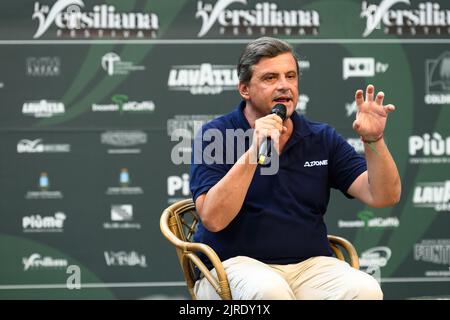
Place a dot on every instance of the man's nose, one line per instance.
(282, 83)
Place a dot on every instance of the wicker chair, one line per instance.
(178, 224)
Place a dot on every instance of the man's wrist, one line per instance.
(371, 139)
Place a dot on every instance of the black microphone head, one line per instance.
(280, 110)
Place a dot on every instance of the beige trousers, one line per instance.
(316, 278)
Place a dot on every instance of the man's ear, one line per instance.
(243, 90)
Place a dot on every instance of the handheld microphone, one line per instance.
(265, 148)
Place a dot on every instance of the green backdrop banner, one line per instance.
(92, 93)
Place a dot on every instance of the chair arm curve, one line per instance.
(353, 256)
(221, 285)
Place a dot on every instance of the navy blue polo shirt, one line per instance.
(281, 220)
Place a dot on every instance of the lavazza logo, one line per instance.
(43, 108)
(203, 79)
(38, 223)
(264, 19)
(426, 18)
(437, 80)
(37, 146)
(435, 195)
(429, 148)
(102, 21)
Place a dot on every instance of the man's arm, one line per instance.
(380, 185)
(220, 205)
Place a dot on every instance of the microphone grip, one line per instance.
(264, 151)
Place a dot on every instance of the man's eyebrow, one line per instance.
(268, 73)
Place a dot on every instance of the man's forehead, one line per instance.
(266, 64)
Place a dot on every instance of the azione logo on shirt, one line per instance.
(318, 163)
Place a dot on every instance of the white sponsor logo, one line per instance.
(102, 17)
(44, 192)
(203, 79)
(130, 106)
(113, 65)
(124, 189)
(185, 127)
(265, 16)
(362, 67)
(376, 222)
(43, 108)
(43, 66)
(426, 18)
(372, 260)
(434, 195)
(429, 148)
(37, 223)
(357, 144)
(123, 258)
(122, 212)
(367, 220)
(188, 125)
(122, 217)
(377, 256)
(435, 251)
(351, 108)
(122, 105)
(36, 146)
(36, 261)
(123, 139)
(303, 65)
(437, 79)
(178, 186)
(316, 163)
(302, 104)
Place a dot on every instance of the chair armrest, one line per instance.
(221, 284)
(353, 256)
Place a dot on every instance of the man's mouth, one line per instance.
(282, 99)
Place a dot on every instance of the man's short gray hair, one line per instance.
(265, 47)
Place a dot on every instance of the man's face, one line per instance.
(274, 80)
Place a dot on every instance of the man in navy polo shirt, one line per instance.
(268, 229)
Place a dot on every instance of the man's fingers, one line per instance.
(369, 92)
(275, 135)
(359, 99)
(379, 98)
(389, 108)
